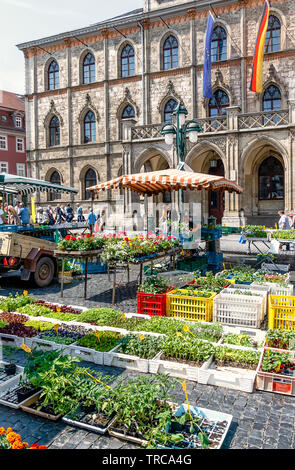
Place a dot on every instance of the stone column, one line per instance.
(127, 162)
(192, 13)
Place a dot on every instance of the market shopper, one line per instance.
(60, 215)
(91, 220)
(69, 213)
(24, 214)
(80, 216)
(49, 212)
(3, 219)
(13, 218)
(284, 224)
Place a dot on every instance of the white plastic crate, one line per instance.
(255, 333)
(115, 359)
(174, 369)
(11, 380)
(87, 354)
(240, 310)
(11, 340)
(276, 289)
(42, 344)
(229, 377)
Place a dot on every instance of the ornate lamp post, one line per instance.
(181, 130)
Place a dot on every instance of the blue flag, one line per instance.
(207, 88)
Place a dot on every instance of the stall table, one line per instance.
(140, 263)
(77, 255)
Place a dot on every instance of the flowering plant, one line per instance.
(81, 243)
(12, 440)
(128, 249)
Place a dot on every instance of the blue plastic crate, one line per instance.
(93, 268)
(214, 258)
(9, 228)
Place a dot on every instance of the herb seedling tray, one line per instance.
(274, 288)
(26, 406)
(85, 421)
(116, 359)
(174, 369)
(215, 423)
(125, 437)
(7, 380)
(8, 396)
(234, 378)
(273, 382)
(87, 354)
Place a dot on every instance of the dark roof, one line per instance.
(124, 15)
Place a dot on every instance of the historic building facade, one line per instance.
(96, 99)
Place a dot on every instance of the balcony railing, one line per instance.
(265, 119)
(213, 125)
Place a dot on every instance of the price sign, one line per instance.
(97, 334)
(56, 327)
(187, 330)
(142, 337)
(124, 316)
(58, 309)
(26, 348)
(25, 293)
(107, 386)
(185, 391)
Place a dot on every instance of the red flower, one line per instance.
(88, 235)
(68, 237)
(73, 239)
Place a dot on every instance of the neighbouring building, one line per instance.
(12, 134)
(96, 99)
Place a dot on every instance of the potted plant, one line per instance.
(10, 368)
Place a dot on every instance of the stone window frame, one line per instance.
(48, 176)
(46, 76)
(228, 32)
(121, 46)
(127, 100)
(52, 112)
(165, 36)
(81, 68)
(88, 107)
(281, 17)
(82, 180)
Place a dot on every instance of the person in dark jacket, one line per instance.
(69, 213)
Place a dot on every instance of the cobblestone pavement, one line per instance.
(260, 420)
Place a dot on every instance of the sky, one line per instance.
(26, 20)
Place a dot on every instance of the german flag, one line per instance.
(257, 71)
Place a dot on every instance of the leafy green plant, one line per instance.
(275, 361)
(154, 285)
(240, 340)
(187, 348)
(35, 310)
(224, 355)
(3, 324)
(145, 348)
(12, 303)
(40, 325)
(107, 341)
(281, 339)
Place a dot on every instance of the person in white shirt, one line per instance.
(2, 216)
(284, 222)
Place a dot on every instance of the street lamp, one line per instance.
(181, 130)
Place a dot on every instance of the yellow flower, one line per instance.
(25, 292)
(58, 309)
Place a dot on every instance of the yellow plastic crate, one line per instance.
(189, 308)
(281, 312)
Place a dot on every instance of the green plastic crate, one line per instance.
(192, 264)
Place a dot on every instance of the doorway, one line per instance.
(216, 199)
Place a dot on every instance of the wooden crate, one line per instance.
(19, 245)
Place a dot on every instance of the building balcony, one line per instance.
(234, 121)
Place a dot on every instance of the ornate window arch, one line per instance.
(271, 100)
(88, 177)
(127, 60)
(273, 35)
(219, 44)
(54, 132)
(88, 68)
(170, 53)
(89, 127)
(53, 75)
(168, 109)
(271, 179)
(55, 178)
(128, 112)
(218, 104)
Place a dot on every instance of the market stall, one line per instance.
(156, 182)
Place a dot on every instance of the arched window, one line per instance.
(89, 127)
(218, 44)
(89, 68)
(170, 53)
(89, 180)
(168, 110)
(271, 99)
(128, 112)
(218, 104)
(271, 179)
(55, 179)
(53, 76)
(273, 35)
(127, 61)
(54, 132)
